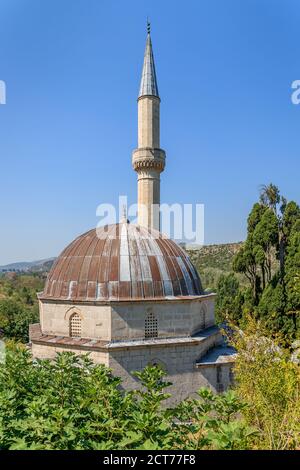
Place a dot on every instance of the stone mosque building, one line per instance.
(128, 295)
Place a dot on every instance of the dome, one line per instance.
(122, 262)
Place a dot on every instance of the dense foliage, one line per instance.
(71, 403)
(18, 304)
(270, 261)
(268, 382)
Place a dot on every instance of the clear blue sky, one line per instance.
(72, 69)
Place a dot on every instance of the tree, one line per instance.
(271, 233)
(229, 302)
(270, 196)
(254, 217)
(290, 215)
(15, 319)
(272, 310)
(255, 258)
(245, 262)
(265, 238)
(292, 275)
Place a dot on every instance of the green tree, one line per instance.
(271, 234)
(16, 318)
(265, 238)
(290, 214)
(229, 302)
(272, 310)
(270, 196)
(292, 275)
(245, 262)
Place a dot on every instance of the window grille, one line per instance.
(151, 326)
(75, 326)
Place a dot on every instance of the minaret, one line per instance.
(148, 159)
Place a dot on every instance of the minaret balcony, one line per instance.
(148, 157)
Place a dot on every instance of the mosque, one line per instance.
(128, 295)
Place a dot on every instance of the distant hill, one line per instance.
(28, 266)
(213, 260)
(44, 266)
(214, 256)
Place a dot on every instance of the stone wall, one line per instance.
(96, 322)
(43, 351)
(118, 321)
(174, 319)
(179, 357)
(179, 361)
(220, 375)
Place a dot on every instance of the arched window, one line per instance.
(151, 326)
(75, 326)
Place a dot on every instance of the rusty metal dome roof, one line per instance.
(122, 262)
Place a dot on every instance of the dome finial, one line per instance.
(124, 219)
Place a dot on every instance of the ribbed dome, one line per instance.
(122, 262)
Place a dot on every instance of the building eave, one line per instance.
(124, 301)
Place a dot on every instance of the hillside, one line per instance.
(213, 260)
(28, 266)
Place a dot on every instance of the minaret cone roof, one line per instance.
(148, 82)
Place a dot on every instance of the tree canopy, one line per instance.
(270, 261)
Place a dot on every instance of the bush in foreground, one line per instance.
(71, 403)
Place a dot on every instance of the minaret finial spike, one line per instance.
(148, 26)
(124, 214)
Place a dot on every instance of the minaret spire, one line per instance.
(148, 159)
(148, 85)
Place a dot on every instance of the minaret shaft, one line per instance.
(148, 122)
(148, 159)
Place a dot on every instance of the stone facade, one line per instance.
(174, 318)
(115, 335)
(179, 359)
(96, 319)
(119, 321)
(41, 350)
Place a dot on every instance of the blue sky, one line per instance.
(72, 70)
